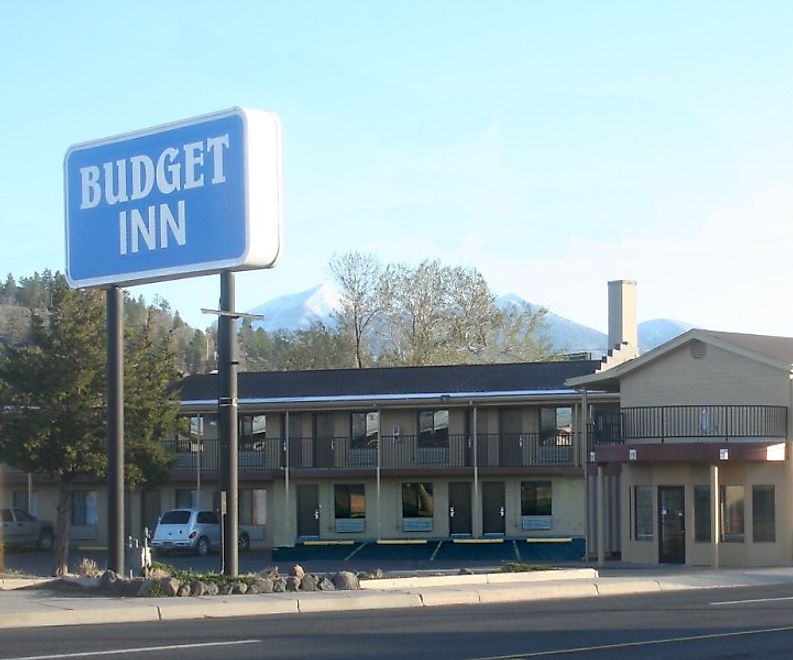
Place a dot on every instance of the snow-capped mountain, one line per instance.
(297, 311)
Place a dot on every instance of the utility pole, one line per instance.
(228, 425)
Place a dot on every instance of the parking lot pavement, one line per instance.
(325, 557)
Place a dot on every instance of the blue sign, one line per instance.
(190, 198)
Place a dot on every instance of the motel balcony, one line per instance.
(402, 453)
(689, 423)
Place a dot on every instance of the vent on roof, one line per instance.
(697, 349)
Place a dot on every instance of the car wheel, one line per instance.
(46, 540)
(202, 546)
(244, 543)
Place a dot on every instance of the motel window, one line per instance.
(252, 506)
(253, 431)
(84, 507)
(556, 425)
(643, 513)
(433, 428)
(417, 500)
(732, 522)
(19, 500)
(702, 514)
(535, 498)
(364, 430)
(350, 500)
(185, 498)
(763, 514)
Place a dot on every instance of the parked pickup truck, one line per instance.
(19, 528)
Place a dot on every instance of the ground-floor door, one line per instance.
(671, 525)
(308, 510)
(460, 508)
(493, 507)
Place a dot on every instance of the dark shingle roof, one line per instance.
(345, 383)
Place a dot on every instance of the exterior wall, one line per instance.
(746, 553)
(384, 518)
(718, 378)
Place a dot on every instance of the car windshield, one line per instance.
(175, 518)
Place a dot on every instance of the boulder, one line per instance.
(308, 583)
(169, 586)
(292, 583)
(183, 591)
(279, 585)
(211, 589)
(239, 588)
(297, 571)
(345, 581)
(262, 585)
(197, 588)
(325, 584)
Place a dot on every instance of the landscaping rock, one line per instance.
(197, 588)
(292, 583)
(183, 590)
(239, 588)
(108, 579)
(169, 586)
(308, 583)
(324, 584)
(297, 571)
(279, 585)
(211, 589)
(261, 585)
(345, 581)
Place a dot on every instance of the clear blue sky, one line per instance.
(552, 145)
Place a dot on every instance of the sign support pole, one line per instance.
(115, 429)
(227, 414)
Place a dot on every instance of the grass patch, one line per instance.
(521, 567)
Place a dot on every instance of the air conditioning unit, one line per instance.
(396, 430)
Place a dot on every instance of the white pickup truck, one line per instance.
(19, 528)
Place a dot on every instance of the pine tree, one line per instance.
(53, 391)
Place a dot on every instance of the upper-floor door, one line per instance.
(510, 436)
(324, 440)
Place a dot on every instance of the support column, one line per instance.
(477, 515)
(115, 429)
(227, 413)
(287, 517)
(379, 486)
(715, 527)
(601, 517)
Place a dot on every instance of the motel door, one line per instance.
(460, 508)
(671, 525)
(324, 441)
(511, 427)
(493, 507)
(308, 510)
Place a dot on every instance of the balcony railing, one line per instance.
(491, 450)
(706, 423)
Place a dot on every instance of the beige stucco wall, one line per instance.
(746, 553)
(385, 521)
(718, 378)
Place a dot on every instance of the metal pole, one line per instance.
(227, 413)
(115, 429)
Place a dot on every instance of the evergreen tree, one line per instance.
(53, 390)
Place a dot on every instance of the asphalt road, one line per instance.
(713, 623)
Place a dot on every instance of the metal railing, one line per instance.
(703, 422)
(493, 450)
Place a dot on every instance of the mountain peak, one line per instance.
(298, 311)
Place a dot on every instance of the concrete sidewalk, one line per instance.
(42, 606)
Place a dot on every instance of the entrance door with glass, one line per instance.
(671, 525)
